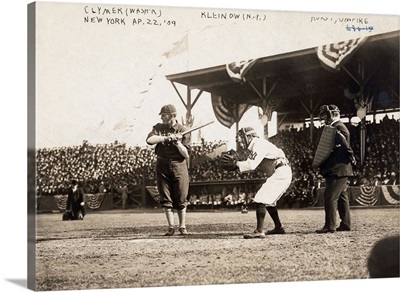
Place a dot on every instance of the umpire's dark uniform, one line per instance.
(336, 170)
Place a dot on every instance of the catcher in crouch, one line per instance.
(272, 160)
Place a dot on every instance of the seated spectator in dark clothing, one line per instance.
(75, 203)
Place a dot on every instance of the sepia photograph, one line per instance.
(173, 146)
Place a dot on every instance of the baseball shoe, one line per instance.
(343, 227)
(255, 234)
(279, 230)
(183, 231)
(324, 230)
(170, 231)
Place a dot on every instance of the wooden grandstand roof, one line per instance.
(301, 84)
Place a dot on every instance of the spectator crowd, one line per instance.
(116, 165)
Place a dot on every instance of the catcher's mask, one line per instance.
(326, 113)
(244, 136)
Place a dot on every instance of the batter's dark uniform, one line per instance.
(172, 168)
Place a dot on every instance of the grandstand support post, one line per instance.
(311, 111)
(189, 120)
(237, 130)
(144, 200)
(311, 127)
(188, 104)
(362, 139)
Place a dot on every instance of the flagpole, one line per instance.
(237, 130)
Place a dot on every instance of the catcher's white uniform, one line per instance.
(272, 160)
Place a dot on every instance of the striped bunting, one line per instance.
(238, 70)
(366, 195)
(391, 194)
(61, 201)
(227, 113)
(333, 56)
(94, 201)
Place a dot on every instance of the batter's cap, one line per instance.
(168, 109)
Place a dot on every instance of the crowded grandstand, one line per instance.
(105, 168)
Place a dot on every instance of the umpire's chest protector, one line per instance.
(325, 146)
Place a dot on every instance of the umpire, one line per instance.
(172, 151)
(336, 169)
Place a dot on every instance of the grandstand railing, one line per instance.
(146, 196)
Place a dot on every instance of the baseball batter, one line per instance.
(172, 150)
(272, 160)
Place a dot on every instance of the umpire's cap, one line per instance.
(168, 109)
(328, 109)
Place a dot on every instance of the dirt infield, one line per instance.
(121, 249)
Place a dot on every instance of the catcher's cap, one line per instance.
(168, 109)
(74, 182)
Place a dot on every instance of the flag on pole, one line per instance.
(158, 72)
(333, 56)
(178, 47)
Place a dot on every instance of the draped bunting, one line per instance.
(238, 70)
(366, 195)
(61, 201)
(92, 201)
(333, 56)
(391, 194)
(227, 113)
(376, 195)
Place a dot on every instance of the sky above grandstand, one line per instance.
(100, 68)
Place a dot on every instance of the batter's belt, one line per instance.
(164, 159)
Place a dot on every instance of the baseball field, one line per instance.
(128, 249)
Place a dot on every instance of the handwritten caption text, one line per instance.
(352, 23)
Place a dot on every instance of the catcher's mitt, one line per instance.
(229, 159)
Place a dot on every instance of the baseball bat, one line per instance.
(196, 128)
